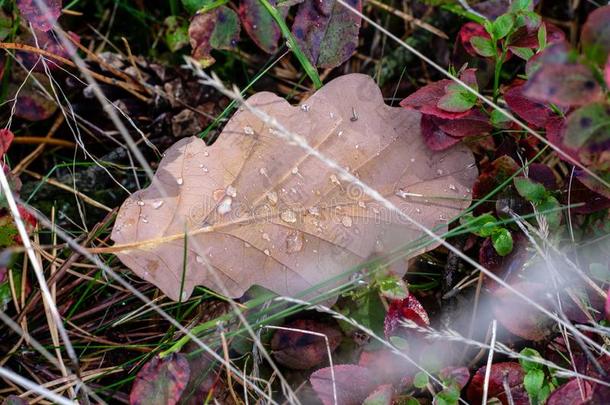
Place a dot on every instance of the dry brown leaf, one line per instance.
(261, 211)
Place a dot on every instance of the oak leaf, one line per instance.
(261, 211)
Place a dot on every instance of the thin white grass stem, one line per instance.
(490, 359)
(32, 386)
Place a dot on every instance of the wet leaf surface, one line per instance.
(288, 222)
(400, 310)
(326, 31)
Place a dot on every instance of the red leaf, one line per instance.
(593, 184)
(161, 381)
(528, 38)
(566, 85)
(353, 384)
(595, 35)
(301, 351)
(434, 137)
(467, 32)
(6, 138)
(510, 371)
(399, 310)
(518, 316)
(475, 123)
(532, 112)
(542, 174)
(555, 133)
(49, 42)
(570, 393)
(42, 18)
(581, 194)
(491, 177)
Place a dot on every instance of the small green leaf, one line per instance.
(502, 26)
(7, 233)
(542, 37)
(521, 5)
(532, 382)
(192, 6)
(530, 190)
(448, 396)
(482, 225)
(393, 287)
(399, 342)
(483, 46)
(502, 241)
(176, 33)
(523, 53)
(499, 120)
(457, 99)
(529, 365)
(420, 380)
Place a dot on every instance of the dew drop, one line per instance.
(272, 197)
(180, 181)
(263, 172)
(442, 217)
(248, 131)
(418, 210)
(199, 259)
(305, 108)
(145, 220)
(346, 221)
(140, 203)
(266, 237)
(361, 204)
(294, 242)
(412, 160)
(225, 206)
(206, 153)
(334, 179)
(439, 172)
(288, 216)
(267, 252)
(452, 187)
(295, 170)
(339, 133)
(205, 169)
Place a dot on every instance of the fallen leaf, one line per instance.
(259, 24)
(326, 31)
(512, 372)
(570, 393)
(353, 384)
(595, 35)
(160, 381)
(215, 29)
(518, 316)
(401, 310)
(566, 85)
(300, 350)
(263, 212)
(6, 138)
(42, 14)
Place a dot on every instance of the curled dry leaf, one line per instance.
(301, 350)
(261, 211)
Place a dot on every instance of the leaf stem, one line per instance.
(292, 44)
